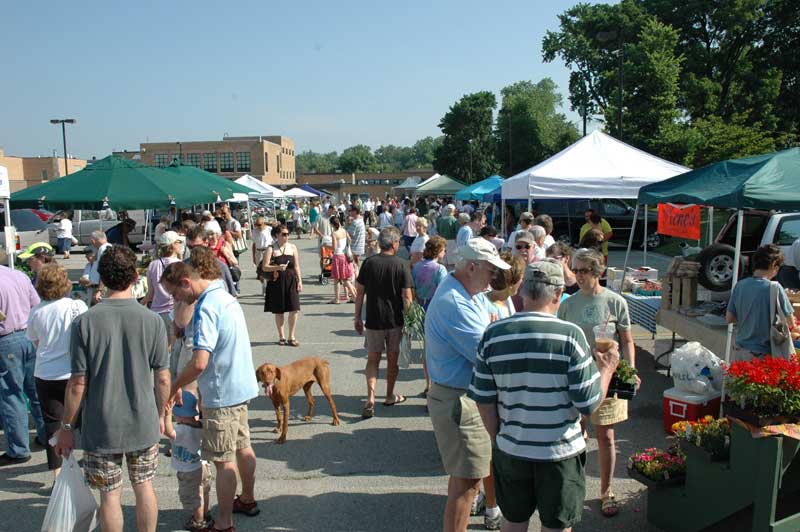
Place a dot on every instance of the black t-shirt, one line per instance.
(384, 277)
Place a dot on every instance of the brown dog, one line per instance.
(282, 383)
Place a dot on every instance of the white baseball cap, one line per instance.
(481, 249)
(169, 238)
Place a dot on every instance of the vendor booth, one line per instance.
(477, 191)
(259, 189)
(440, 185)
(596, 166)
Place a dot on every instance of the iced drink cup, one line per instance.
(604, 337)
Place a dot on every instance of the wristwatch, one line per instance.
(66, 426)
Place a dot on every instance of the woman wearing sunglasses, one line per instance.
(281, 264)
(594, 305)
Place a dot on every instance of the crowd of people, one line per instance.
(513, 375)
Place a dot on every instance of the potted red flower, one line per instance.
(764, 391)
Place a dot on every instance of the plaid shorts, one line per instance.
(104, 471)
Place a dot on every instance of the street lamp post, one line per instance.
(63, 122)
(608, 36)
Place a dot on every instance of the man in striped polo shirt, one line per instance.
(534, 376)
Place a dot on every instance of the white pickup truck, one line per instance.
(84, 222)
(759, 228)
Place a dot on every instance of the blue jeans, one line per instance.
(17, 362)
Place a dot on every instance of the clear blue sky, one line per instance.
(326, 74)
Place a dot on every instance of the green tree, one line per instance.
(467, 151)
(422, 152)
(393, 158)
(529, 127)
(357, 158)
(309, 162)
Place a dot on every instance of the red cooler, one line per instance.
(680, 405)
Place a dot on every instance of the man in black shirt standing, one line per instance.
(386, 280)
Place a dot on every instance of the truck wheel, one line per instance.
(716, 267)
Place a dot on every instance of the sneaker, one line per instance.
(478, 504)
(492, 523)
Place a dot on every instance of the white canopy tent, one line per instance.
(597, 166)
(298, 192)
(261, 190)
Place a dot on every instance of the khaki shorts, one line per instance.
(193, 486)
(463, 442)
(383, 340)
(225, 431)
(104, 471)
(610, 411)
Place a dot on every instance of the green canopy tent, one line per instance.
(224, 188)
(116, 183)
(769, 181)
(441, 185)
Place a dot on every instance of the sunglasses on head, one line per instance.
(523, 246)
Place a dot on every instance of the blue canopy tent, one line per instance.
(309, 188)
(478, 191)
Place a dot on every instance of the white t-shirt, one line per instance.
(233, 225)
(297, 214)
(64, 228)
(549, 241)
(186, 448)
(262, 240)
(94, 275)
(50, 323)
(418, 245)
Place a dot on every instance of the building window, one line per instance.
(162, 160)
(210, 162)
(242, 161)
(278, 161)
(44, 175)
(266, 162)
(193, 159)
(226, 161)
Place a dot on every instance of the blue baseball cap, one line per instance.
(189, 406)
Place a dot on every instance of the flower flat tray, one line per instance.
(655, 484)
(731, 409)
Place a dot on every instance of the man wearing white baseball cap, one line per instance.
(455, 321)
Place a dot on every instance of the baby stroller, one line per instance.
(326, 263)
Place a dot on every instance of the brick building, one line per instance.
(26, 172)
(268, 158)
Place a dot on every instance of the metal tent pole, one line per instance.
(644, 259)
(630, 245)
(737, 256)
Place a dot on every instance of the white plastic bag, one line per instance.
(72, 506)
(695, 369)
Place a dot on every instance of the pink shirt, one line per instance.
(410, 225)
(17, 298)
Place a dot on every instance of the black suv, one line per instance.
(568, 219)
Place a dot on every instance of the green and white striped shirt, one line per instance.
(539, 371)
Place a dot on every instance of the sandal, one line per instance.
(397, 400)
(197, 526)
(282, 341)
(608, 506)
(293, 342)
(368, 412)
(250, 509)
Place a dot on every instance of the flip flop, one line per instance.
(397, 400)
(368, 412)
(282, 341)
(294, 343)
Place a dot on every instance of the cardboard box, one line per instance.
(645, 273)
(613, 274)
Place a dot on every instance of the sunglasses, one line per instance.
(583, 271)
(523, 246)
(284, 234)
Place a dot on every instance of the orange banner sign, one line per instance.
(682, 221)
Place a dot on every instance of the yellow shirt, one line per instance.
(604, 226)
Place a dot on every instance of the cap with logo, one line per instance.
(37, 248)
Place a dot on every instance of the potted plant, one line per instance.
(764, 391)
(707, 437)
(658, 468)
(623, 383)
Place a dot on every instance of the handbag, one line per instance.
(780, 340)
(239, 245)
(236, 273)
